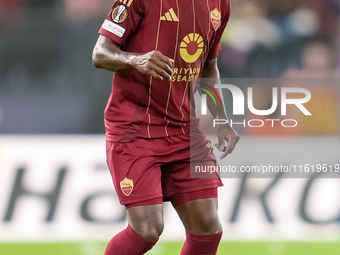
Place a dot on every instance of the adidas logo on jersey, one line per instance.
(170, 16)
(127, 2)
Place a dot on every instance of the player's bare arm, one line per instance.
(224, 132)
(108, 55)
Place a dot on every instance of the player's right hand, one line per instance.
(154, 64)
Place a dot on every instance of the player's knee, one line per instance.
(212, 226)
(152, 232)
(147, 221)
(206, 226)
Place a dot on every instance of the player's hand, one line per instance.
(226, 133)
(155, 64)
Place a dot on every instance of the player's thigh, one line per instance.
(200, 216)
(146, 220)
(135, 174)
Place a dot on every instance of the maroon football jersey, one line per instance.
(187, 31)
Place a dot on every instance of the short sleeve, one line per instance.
(122, 20)
(216, 47)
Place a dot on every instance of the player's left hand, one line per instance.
(226, 133)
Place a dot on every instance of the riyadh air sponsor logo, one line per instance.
(191, 47)
(169, 16)
(185, 74)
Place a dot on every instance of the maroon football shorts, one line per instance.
(150, 171)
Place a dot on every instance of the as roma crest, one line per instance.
(215, 17)
(126, 186)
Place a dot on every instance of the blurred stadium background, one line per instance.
(56, 195)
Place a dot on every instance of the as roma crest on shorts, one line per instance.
(120, 13)
(215, 17)
(126, 186)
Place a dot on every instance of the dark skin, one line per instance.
(224, 132)
(107, 55)
(199, 216)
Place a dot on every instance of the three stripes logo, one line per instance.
(170, 16)
(127, 2)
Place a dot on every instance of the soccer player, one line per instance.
(156, 48)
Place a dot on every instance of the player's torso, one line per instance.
(184, 31)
